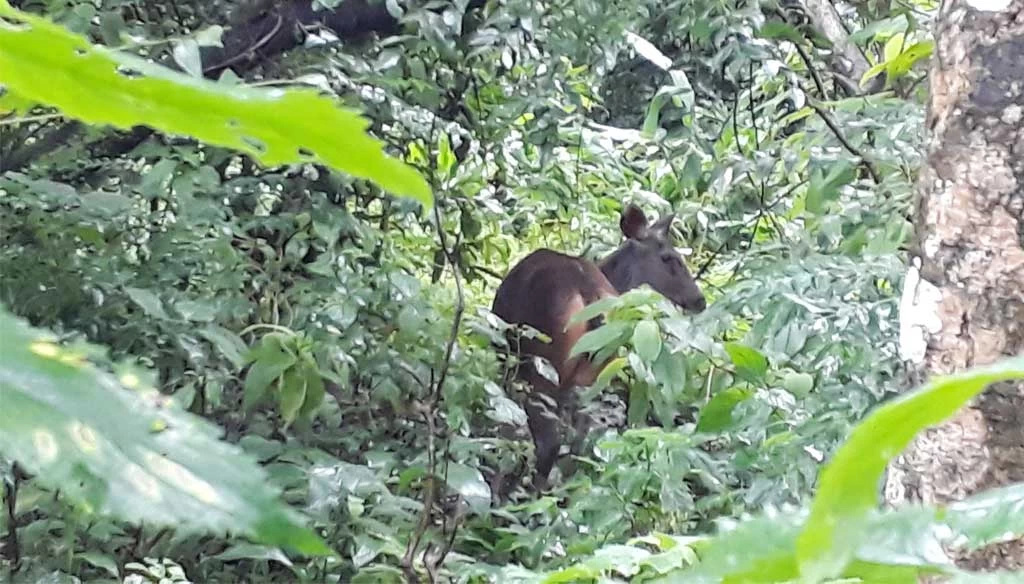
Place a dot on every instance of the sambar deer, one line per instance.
(547, 288)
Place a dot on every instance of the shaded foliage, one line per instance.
(533, 124)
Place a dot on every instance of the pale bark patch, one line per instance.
(989, 5)
(919, 314)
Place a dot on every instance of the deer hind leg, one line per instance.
(542, 417)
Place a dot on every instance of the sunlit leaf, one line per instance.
(848, 486)
(130, 453)
(97, 85)
(610, 371)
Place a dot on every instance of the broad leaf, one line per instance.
(468, 482)
(130, 453)
(647, 340)
(100, 86)
(848, 487)
(988, 517)
(594, 309)
(272, 361)
(610, 334)
(750, 363)
(717, 414)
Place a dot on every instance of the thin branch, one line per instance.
(714, 254)
(460, 306)
(428, 409)
(486, 271)
(865, 162)
(807, 60)
(429, 501)
(753, 115)
(813, 71)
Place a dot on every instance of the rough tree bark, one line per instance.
(963, 302)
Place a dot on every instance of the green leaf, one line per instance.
(130, 453)
(750, 363)
(292, 395)
(186, 54)
(271, 364)
(880, 29)
(848, 485)
(446, 159)
(12, 103)
(716, 416)
(651, 120)
(893, 47)
(101, 86)
(248, 551)
(647, 340)
(315, 391)
(902, 64)
(468, 482)
(987, 517)
(871, 73)
(605, 335)
(148, 301)
(798, 384)
(227, 342)
(609, 372)
(639, 404)
(594, 309)
(104, 562)
(776, 29)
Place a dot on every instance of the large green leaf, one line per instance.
(848, 487)
(647, 340)
(130, 453)
(750, 363)
(43, 62)
(717, 414)
(610, 334)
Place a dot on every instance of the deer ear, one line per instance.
(633, 222)
(663, 226)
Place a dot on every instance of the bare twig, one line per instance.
(718, 250)
(459, 305)
(865, 162)
(12, 549)
(430, 499)
(427, 410)
(486, 271)
(753, 116)
(806, 58)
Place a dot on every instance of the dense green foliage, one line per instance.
(340, 336)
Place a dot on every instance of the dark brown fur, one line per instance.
(547, 288)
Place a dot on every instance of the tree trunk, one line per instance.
(963, 301)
